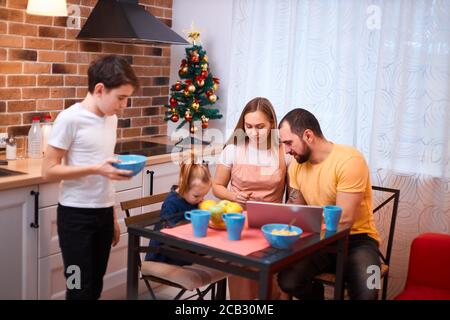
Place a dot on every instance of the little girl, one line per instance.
(194, 184)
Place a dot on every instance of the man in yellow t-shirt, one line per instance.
(326, 173)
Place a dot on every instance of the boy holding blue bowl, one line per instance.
(84, 135)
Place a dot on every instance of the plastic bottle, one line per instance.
(46, 130)
(35, 139)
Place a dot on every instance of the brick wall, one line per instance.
(43, 69)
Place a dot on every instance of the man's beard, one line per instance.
(302, 158)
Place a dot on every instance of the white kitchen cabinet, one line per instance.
(165, 175)
(18, 244)
(124, 196)
(52, 283)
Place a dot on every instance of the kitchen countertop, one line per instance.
(32, 167)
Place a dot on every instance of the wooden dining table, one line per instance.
(260, 265)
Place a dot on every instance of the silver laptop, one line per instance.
(308, 218)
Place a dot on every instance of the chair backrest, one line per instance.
(429, 261)
(395, 197)
(152, 217)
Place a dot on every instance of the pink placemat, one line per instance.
(252, 240)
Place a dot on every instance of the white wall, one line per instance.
(213, 19)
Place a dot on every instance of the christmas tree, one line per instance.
(193, 95)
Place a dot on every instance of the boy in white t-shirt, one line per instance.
(84, 135)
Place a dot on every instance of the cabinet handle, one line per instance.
(152, 173)
(35, 224)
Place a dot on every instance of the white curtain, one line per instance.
(377, 76)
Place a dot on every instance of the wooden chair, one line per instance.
(186, 278)
(330, 278)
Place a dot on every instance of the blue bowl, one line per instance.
(131, 162)
(280, 241)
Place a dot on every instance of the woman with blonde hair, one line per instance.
(252, 166)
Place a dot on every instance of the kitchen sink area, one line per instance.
(8, 173)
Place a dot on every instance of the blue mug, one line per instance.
(332, 215)
(200, 220)
(235, 224)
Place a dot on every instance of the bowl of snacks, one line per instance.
(133, 162)
(281, 235)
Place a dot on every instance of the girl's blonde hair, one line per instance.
(256, 104)
(191, 171)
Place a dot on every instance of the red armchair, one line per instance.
(429, 269)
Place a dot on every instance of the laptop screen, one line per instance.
(309, 218)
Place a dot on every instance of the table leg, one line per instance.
(132, 271)
(265, 285)
(339, 286)
(221, 293)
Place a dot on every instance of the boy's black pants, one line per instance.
(85, 237)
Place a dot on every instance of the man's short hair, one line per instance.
(111, 70)
(299, 120)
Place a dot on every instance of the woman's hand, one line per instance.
(242, 197)
(107, 170)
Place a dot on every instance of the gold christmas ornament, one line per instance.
(215, 86)
(191, 88)
(212, 98)
(195, 105)
(205, 58)
(204, 66)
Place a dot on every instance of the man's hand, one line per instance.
(107, 170)
(116, 236)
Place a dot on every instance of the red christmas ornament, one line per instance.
(200, 81)
(175, 117)
(209, 92)
(204, 74)
(195, 56)
(177, 86)
(173, 102)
